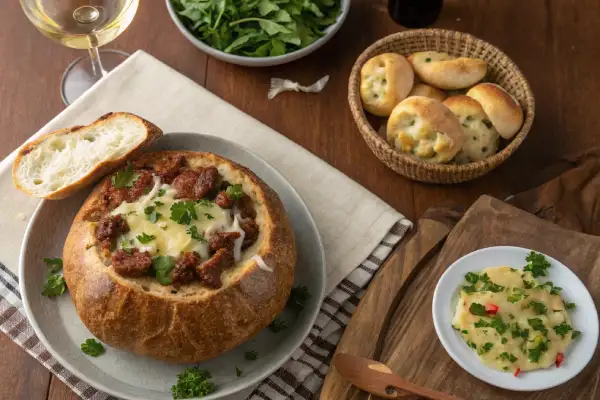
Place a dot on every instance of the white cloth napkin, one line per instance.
(354, 225)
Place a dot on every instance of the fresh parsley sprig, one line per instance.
(55, 284)
(192, 382)
(125, 178)
(92, 347)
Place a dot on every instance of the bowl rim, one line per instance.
(367, 129)
(234, 58)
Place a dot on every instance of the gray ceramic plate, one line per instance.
(127, 375)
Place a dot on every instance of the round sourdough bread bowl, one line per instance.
(190, 322)
(501, 70)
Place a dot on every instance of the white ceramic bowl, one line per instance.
(261, 61)
(584, 318)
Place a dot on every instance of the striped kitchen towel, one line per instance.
(301, 377)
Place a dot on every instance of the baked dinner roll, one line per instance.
(501, 107)
(481, 138)
(425, 128)
(180, 256)
(385, 80)
(421, 89)
(444, 71)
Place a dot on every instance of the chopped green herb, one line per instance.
(469, 289)
(471, 344)
(569, 306)
(484, 278)
(145, 238)
(464, 332)
(238, 372)
(536, 264)
(54, 286)
(428, 59)
(278, 325)
(499, 325)
(161, 192)
(193, 232)
(55, 264)
(575, 334)
(504, 368)
(562, 329)
(541, 346)
(504, 340)
(93, 348)
(125, 178)
(251, 355)
(147, 190)
(504, 356)
(511, 316)
(192, 382)
(208, 216)
(538, 308)
(482, 324)
(235, 192)
(152, 214)
(485, 348)
(491, 287)
(516, 296)
(205, 203)
(472, 277)
(517, 332)
(299, 295)
(162, 266)
(158, 203)
(538, 325)
(183, 212)
(528, 284)
(477, 309)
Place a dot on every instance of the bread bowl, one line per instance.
(183, 316)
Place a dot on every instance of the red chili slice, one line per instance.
(491, 308)
(518, 371)
(560, 357)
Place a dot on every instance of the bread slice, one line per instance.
(60, 163)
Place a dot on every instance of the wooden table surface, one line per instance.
(555, 43)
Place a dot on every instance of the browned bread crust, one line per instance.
(129, 314)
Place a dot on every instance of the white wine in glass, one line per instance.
(83, 24)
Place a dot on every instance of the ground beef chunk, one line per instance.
(209, 272)
(109, 227)
(246, 207)
(251, 229)
(131, 263)
(169, 167)
(113, 197)
(224, 201)
(194, 185)
(223, 240)
(185, 268)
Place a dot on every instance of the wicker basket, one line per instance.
(501, 70)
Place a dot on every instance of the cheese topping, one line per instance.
(153, 230)
(512, 321)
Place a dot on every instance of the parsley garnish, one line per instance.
(535, 353)
(491, 287)
(158, 203)
(499, 325)
(538, 325)
(536, 264)
(235, 192)
(504, 340)
(91, 347)
(183, 212)
(504, 356)
(152, 214)
(511, 316)
(471, 344)
(192, 382)
(528, 284)
(161, 192)
(482, 324)
(251, 355)
(562, 329)
(469, 289)
(298, 297)
(517, 332)
(238, 372)
(277, 325)
(125, 178)
(54, 286)
(145, 238)
(472, 277)
(575, 334)
(484, 278)
(538, 308)
(569, 306)
(464, 332)
(477, 309)
(162, 266)
(485, 348)
(55, 264)
(205, 203)
(193, 232)
(516, 296)
(208, 216)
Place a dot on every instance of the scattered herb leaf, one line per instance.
(162, 266)
(93, 348)
(235, 192)
(145, 238)
(183, 212)
(562, 329)
(192, 382)
(251, 355)
(536, 264)
(55, 264)
(278, 325)
(478, 309)
(54, 286)
(193, 232)
(125, 178)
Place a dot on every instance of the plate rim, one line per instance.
(269, 370)
(436, 307)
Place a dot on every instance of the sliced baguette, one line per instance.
(60, 163)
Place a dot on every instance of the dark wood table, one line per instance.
(555, 43)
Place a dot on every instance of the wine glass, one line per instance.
(83, 24)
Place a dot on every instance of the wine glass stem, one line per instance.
(97, 68)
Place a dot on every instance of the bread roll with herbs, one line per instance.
(444, 71)
(501, 107)
(421, 89)
(426, 129)
(385, 80)
(481, 138)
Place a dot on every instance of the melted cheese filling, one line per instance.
(172, 238)
(500, 340)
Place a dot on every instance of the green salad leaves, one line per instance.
(257, 28)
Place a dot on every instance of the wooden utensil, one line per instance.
(377, 378)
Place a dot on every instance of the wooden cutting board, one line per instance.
(396, 327)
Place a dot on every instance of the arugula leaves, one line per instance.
(93, 348)
(162, 266)
(125, 178)
(192, 382)
(257, 28)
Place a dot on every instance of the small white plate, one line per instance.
(584, 318)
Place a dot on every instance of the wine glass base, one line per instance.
(79, 76)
